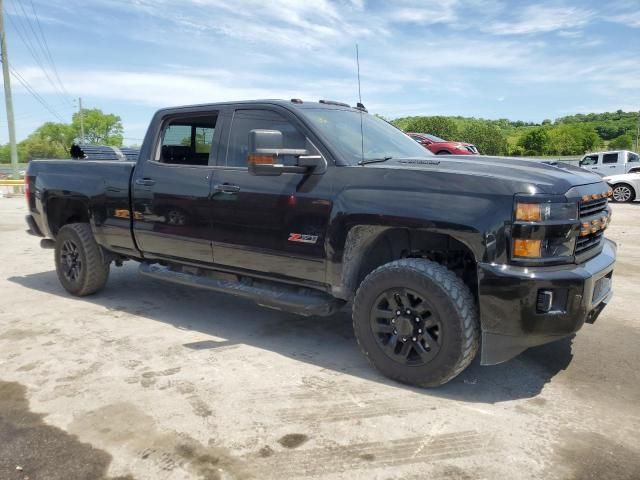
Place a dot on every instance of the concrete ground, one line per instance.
(147, 380)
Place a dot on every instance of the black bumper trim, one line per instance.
(507, 294)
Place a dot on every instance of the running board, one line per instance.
(279, 296)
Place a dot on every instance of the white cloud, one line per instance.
(541, 19)
(630, 18)
(570, 33)
(425, 12)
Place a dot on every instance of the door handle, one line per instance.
(226, 188)
(146, 182)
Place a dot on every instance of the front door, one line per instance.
(172, 218)
(590, 162)
(270, 224)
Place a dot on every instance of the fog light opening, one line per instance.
(544, 301)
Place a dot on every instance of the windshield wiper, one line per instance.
(373, 160)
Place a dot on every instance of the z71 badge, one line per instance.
(299, 237)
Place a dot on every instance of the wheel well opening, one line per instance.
(62, 211)
(395, 244)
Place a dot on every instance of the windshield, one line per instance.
(433, 138)
(381, 140)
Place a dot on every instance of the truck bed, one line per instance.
(103, 185)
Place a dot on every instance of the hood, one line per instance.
(552, 179)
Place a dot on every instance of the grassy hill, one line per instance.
(570, 135)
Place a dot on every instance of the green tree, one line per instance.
(535, 141)
(623, 142)
(589, 139)
(99, 128)
(439, 126)
(488, 138)
(53, 140)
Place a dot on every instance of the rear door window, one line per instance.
(188, 140)
(610, 158)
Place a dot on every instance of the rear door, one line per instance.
(270, 224)
(612, 163)
(172, 218)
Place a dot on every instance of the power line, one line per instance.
(27, 20)
(26, 40)
(48, 52)
(35, 94)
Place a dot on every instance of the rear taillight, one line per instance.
(27, 188)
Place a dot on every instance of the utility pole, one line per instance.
(81, 117)
(7, 94)
(637, 133)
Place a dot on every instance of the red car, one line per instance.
(443, 147)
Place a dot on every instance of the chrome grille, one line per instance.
(590, 209)
(589, 242)
(593, 207)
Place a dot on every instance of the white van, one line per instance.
(611, 163)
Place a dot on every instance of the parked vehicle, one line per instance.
(443, 147)
(611, 163)
(625, 187)
(305, 206)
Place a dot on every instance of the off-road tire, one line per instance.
(447, 294)
(94, 269)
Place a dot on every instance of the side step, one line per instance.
(279, 296)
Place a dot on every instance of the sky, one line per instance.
(493, 59)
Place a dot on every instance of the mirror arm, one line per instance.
(309, 161)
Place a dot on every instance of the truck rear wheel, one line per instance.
(416, 321)
(80, 264)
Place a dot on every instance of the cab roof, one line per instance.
(293, 103)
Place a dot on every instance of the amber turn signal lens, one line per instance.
(585, 229)
(260, 160)
(526, 248)
(528, 212)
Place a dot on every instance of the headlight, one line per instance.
(542, 212)
(543, 231)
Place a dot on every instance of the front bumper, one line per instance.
(510, 317)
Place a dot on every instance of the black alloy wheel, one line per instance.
(406, 327)
(70, 261)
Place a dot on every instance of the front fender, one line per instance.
(360, 216)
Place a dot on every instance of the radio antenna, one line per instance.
(358, 65)
(360, 106)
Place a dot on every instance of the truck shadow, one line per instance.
(327, 342)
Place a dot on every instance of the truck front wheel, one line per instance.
(416, 321)
(80, 264)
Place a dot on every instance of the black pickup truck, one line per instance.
(310, 206)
